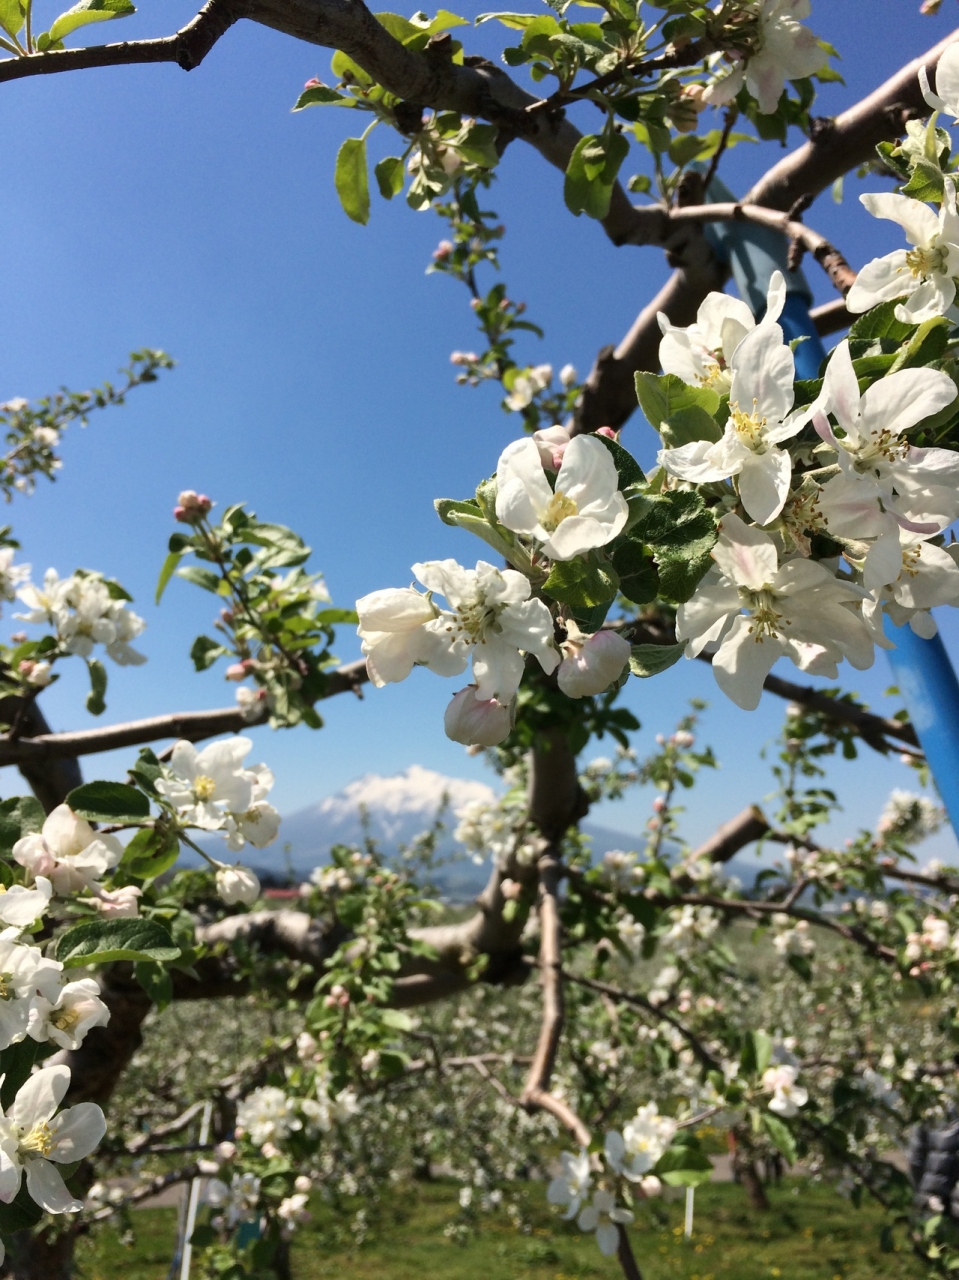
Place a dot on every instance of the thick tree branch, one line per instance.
(734, 835)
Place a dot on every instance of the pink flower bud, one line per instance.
(474, 722)
(659, 804)
(608, 432)
(591, 667)
(313, 83)
(240, 670)
(551, 443)
(442, 251)
(18, 637)
(192, 507)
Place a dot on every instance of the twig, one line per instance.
(732, 114)
(550, 961)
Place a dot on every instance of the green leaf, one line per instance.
(98, 687)
(627, 468)
(649, 659)
(352, 180)
(582, 583)
(467, 515)
(166, 573)
(109, 802)
(20, 816)
(151, 852)
(331, 617)
(662, 396)
(781, 1135)
(390, 173)
(320, 95)
(155, 981)
(681, 532)
(638, 579)
(928, 343)
(683, 1163)
(11, 16)
(16, 1063)
(89, 11)
(205, 652)
(591, 173)
(926, 181)
(103, 941)
(687, 147)
(688, 425)
(880, 322)
(397, 1019)
(200, 577)
(757, 1053)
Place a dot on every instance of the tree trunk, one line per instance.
(44, 1255)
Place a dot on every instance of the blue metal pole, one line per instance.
(924, 674)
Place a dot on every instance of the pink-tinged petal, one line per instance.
(743, 663)
(588, 473)
(746, 556)
(919, 222)
(850, 506)
(900, 400)
(705, 618)
(841, 388)
(497, 670)
(764, 484)
(822, 428)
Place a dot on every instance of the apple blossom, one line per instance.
(237, 884)
(116, 904)
(919, 574)
(38, 674)
(635, 1151)
(701, 353)
(785, 50)
(21, 906)
(68, 852)
(757, 610)
(209, 787)
(239, 1199)
(259, 823)
(567, 375)
(84, 614)
(393, 626)
(571, 1187)
(591, 663)
(551, 443)
(946, 96)
(493, 617)
(924, 276)
(11, 575)
(67, 1020)
(33, 1134)
(267, 1114)
(24, 972)
(583, 511)
(787, 1097)
(760, 399)
(528, 384)
(477, 722)
(879, 471)
(604, 1217)
(191, 507)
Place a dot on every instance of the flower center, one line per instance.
(558, 508)
(65, 1019)
(926, 262)
(910, 559)
(749, 427)
(6, 986)
(882, 445)
(204, 788)
(475, 620)
(766, 620)
(714, 372)
(39, 1141)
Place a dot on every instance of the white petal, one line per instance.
(763, 374)
(902, 399)
(529, 626)
(39, 1098)
(743, 663)
(689, 462)
(77, 1132)
(497, 670)
(393, 609)
(918, 221)
(578, 534)
(764, 484)
(746, 556)
(880, 281)
(883, 563)
(607, 1237)
(522, 490)
(47, 1188)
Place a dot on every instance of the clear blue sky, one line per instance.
(145, 206)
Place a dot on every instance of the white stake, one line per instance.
(195, 1197)
(690, 1195)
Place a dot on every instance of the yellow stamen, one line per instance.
(560, 506)
(39, 1140)
(926, 262)
(204, 788)
(749, 427)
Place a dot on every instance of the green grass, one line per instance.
(810, 1234)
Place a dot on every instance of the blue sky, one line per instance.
(145, 206)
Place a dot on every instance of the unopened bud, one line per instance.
(477, 722)
(592, 666)
(442, 251)
(313, 83)
(608, 432)
(192, 507)
(240, 670)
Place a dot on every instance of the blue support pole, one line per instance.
(922, 669)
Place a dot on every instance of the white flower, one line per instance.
(591, 663)
(84, 614)
(760, 399)
(21, 907)
(528, 384)
(635, 1151)
(493, 617)
(476, 722)
(32, 1134)
(572, 1185)
(11, 575)
(259, 824)
(879, 472)
(785, 51)
(392, 626)
(209, 785)
(603, 1216)
(946, 97)
(688, 926)
(292, 1210)
(701, 353)
(919, 575)
(267, 1115)
(68, 852)
(923, 275)
(910, 818)
(567, 375)
(24, 971)
(758, 610)
(250, 702)
(787, 1097)
(585, 510)
(237, 884)
(116, 904)
(239, 1199)
(792, 939)
(67, 1020)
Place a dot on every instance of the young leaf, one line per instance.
(109, 802)
(11, 16)
(151, 852)
(627, 468)
(781, 1135)
(98, 687)
(581, 583)
(389, 176)
(155, 981)
(352, 180)
(322, 95)
(20, 816)
(89, 11)
(166, 573)
(661, 396)
(650, 659)
(205, 652)
(103, 941)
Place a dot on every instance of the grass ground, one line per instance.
(810, 1234)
